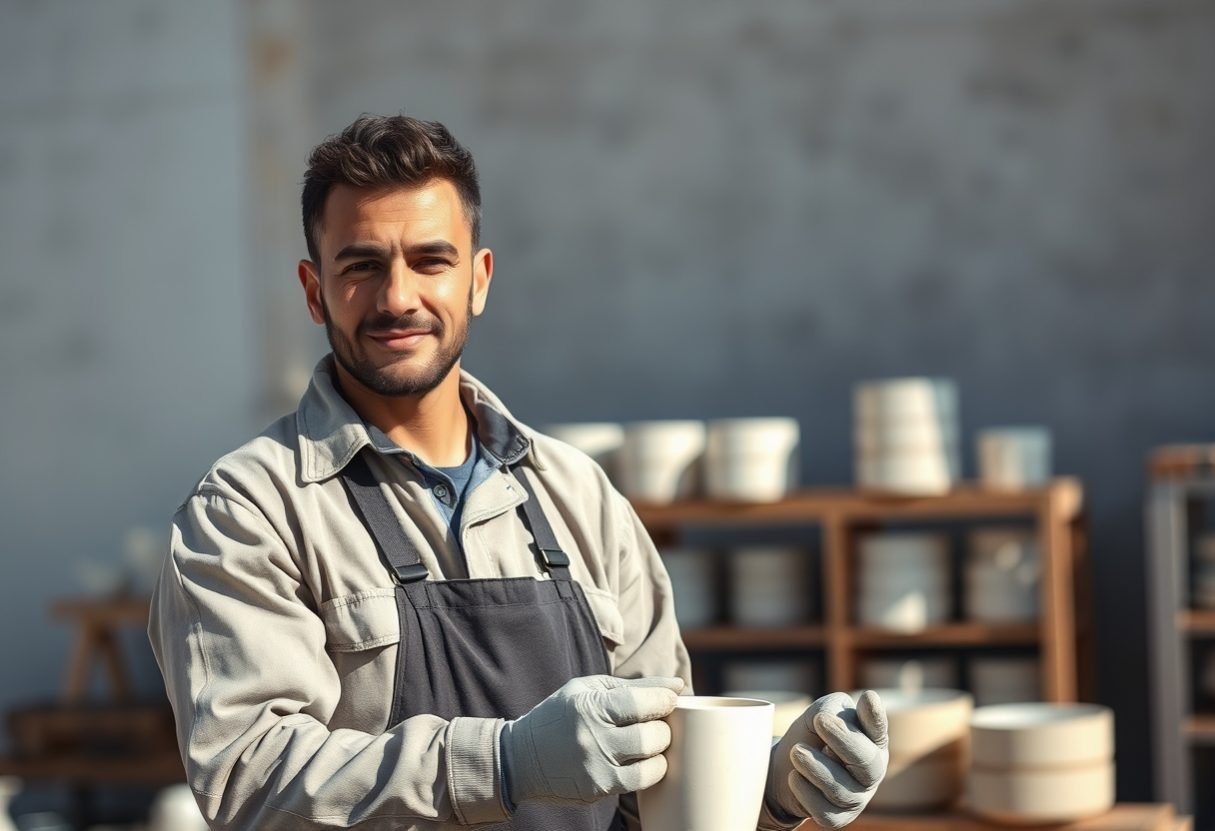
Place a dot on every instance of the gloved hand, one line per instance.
(830, 761)
(594, 737)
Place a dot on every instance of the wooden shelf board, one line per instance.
(953, 634)
(157, 769)
(1200, 728)
(814, 505)
(1197, 621)
(733, 637)
(1122, 817)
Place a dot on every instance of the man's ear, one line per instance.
(310, 279)
(483, 273)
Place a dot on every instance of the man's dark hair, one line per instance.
(378, 151)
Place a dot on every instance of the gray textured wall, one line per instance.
(697, 209)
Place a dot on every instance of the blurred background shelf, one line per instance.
(1054, 512)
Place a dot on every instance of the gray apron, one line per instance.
(488, 648)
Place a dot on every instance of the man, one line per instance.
(401, 608)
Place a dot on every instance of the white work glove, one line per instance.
(594, 737)
(829, 762)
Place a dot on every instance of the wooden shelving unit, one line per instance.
(1181, 489)
(840, 515)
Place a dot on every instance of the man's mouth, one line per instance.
(399, 340)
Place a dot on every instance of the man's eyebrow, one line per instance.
(361, 249)
(435, 247)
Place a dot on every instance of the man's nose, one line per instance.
(399, 291)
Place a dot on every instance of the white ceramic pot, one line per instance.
(912, 437)
(751, 459)
(784, 676)
(894, 399)
(1040, 735)
(1041, 796)
(922, 784)
(1005, 680)
(909, 675)
(691, 571)
(769, 586)
(923, 475)
(927, 722)
(1012, 458)
(660, 460)
(717, 765)
(600, 440)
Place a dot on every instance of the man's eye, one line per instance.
(361, 267)
(433, 264)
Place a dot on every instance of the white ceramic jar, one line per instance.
(660, 461)
(751, 459)
(1014, 458)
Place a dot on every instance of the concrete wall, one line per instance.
(126, 351)
(711, 209)
(697, 209)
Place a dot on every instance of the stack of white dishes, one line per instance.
(906, 435)
(660, 460)
(1014, 458)
(1002, 680)
(1204, 572)
(903, 581)
(691, 572)
(1041, 763)
(601, 440)
(774, 675)
(1002, 575)
(787, 706)
(769, 586)
(929, 734)
(909, 675)
(751, 459)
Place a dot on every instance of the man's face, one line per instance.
(397, 284)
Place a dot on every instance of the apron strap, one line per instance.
(402, 555)
(555, 560)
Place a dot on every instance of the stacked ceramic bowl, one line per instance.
(903, 581)
(660, 460)
(769, 586)
(1014, 458)
(1204, 572)
(906, 435)
(599, 440)
(1041, 763)
(1002, 575)
(751, 459)
(692, 581)
(929, 734)
(1005, 680)
(909, 675)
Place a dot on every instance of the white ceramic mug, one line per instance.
(717, 765)
(1011, 458)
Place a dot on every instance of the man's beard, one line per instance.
(382, 380)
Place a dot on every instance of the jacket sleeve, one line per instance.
(652, 644)
(242, 650)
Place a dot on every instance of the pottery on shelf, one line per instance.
(660, 461)
(751, 459)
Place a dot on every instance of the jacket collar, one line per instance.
(331, 432)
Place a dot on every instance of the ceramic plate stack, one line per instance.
(660, 460)
(1041, 763)
(751, 459)
(903, 581)
(599, 440)
(769, 586)
(691, 572)
(1204, 572)
(1002, 575)
(909, 675)
(906, 435)
(929, 734)
(1001, 680)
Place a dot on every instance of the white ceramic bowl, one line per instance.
(751, 459)
(909, 675)
(923, 784)
(660, 460)
(692, 579)
(1041, 796)
(897, 398)
(769, 586)
(1039, 735)
(1005, 680)
(1012, 458)
(927, 722)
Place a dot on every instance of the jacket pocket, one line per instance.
(607, 616)
(365, 620)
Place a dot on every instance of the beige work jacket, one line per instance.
(275, 624)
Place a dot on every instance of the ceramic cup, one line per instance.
(717, 765)
(1011, 458)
